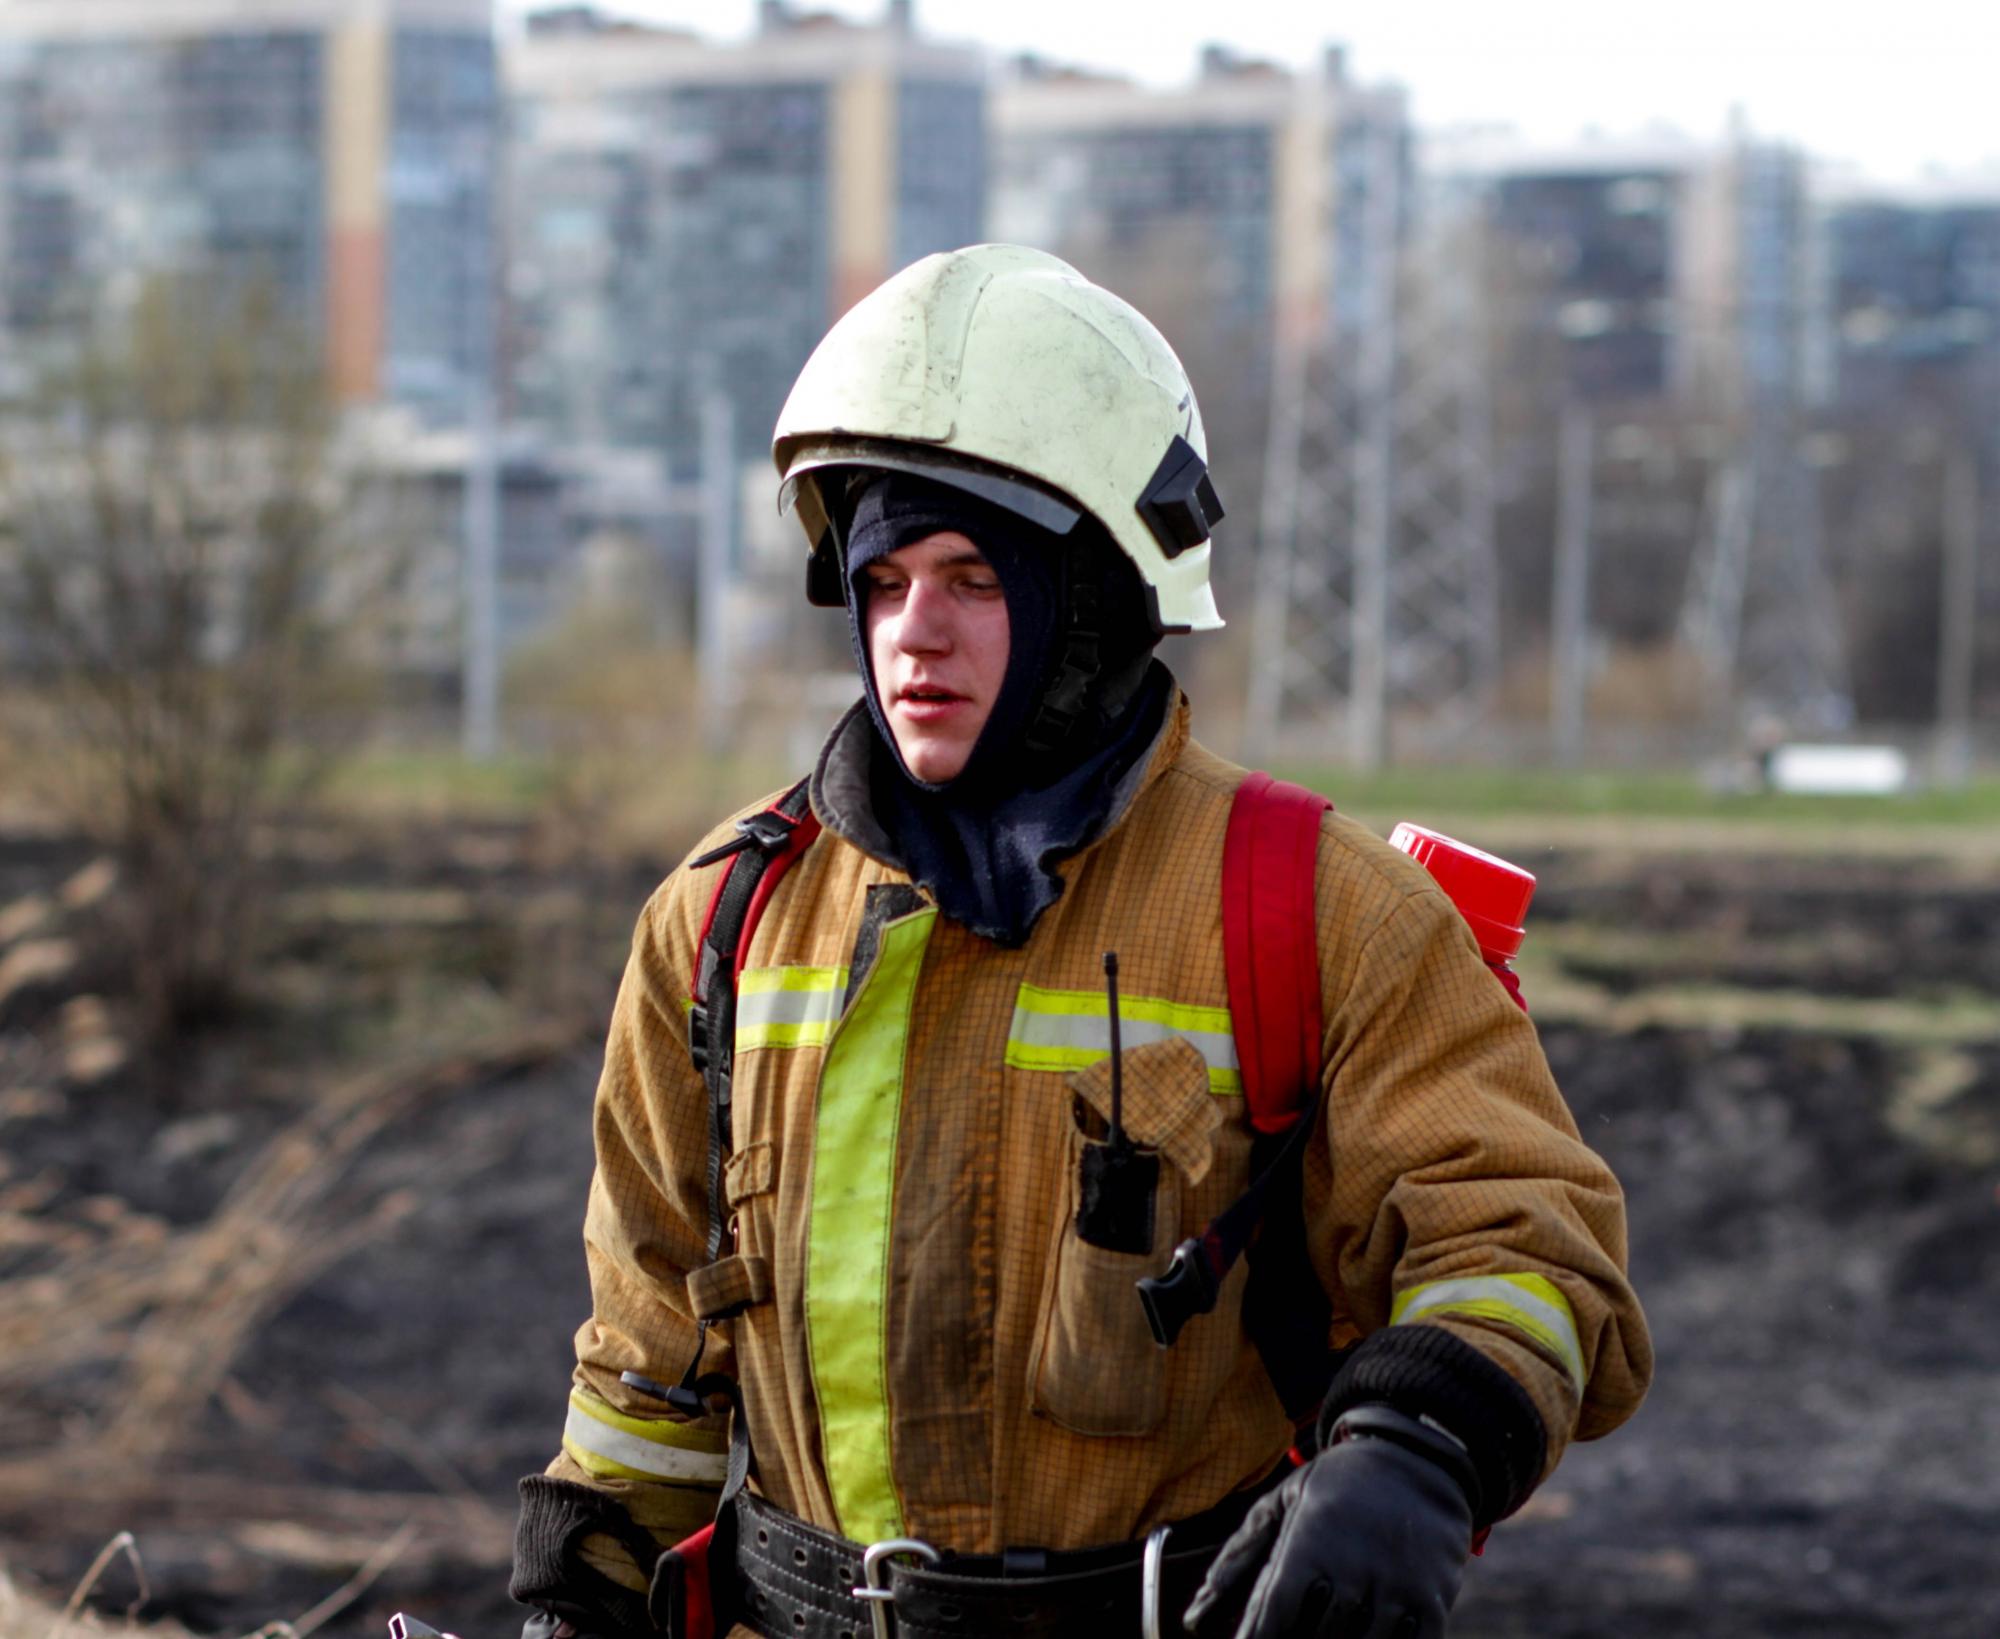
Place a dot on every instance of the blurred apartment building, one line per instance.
(1667, 267)
(1754, 330)
(687, 217)
(343, 151)
(1234, 210)
(1585, 243)
(1915, 275)
(1676, 293)
(1659, 268)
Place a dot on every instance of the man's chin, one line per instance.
(935, 764)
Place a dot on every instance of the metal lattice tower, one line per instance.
(1378, 589)
(1444, 617)
(1759, 613)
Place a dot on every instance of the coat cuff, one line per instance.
(1425, 1371)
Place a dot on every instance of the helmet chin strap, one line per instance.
(1097, 666)
(1066, 698)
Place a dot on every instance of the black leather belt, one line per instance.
(795, 1581)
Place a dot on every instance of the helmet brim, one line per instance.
(1025, 498)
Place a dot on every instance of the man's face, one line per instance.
(937, 639)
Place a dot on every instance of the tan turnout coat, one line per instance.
(933, 1352)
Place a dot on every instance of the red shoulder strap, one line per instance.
(764, 847)
(1270, 945)
(802, 837)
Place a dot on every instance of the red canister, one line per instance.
(1491, 893)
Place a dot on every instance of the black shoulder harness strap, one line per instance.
(764, 847)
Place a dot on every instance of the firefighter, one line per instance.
(1001, 473)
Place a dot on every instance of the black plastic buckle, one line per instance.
(1187, 1289)
(685, 1396)
(685, 1401)
(682, 1396)
(644, 1384)
(768, 829)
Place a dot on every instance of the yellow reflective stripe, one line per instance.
(787, 1006)
(758, 981)
(1530, 1304)
(847, 1261)
(606, 1442)
(805, 1033)
(1064, 1030)
(1096, 1004)
(1062, 1060)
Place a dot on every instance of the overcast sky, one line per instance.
(1894, 88)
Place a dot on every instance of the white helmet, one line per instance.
(1003, 371)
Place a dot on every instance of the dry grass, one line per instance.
(1953, 1020)
(169, 1310)
(23, 1616)
(137, 1326)
(175, 1307)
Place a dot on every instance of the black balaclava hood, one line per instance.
(1078, 706)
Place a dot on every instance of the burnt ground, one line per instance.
(372, 1341)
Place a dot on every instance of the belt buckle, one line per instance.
(1152, 1565)
(881, 1597)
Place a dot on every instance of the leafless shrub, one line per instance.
(610, 707)
(173, 571)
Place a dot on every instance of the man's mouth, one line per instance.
(925, 705)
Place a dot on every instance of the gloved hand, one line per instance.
(1367, 1541)
(581, 1562)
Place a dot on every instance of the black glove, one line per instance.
(1366, 1541)
(571, 1600)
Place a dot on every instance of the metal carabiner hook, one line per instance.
(882, 1598)
(1152, 1568)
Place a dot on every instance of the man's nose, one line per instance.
(926, 625)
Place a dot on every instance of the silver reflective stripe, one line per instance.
(788, 1006)
(587, 1437)
(1066, 1030)
(1083, 1033)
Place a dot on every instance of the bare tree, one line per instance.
(168, 516)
